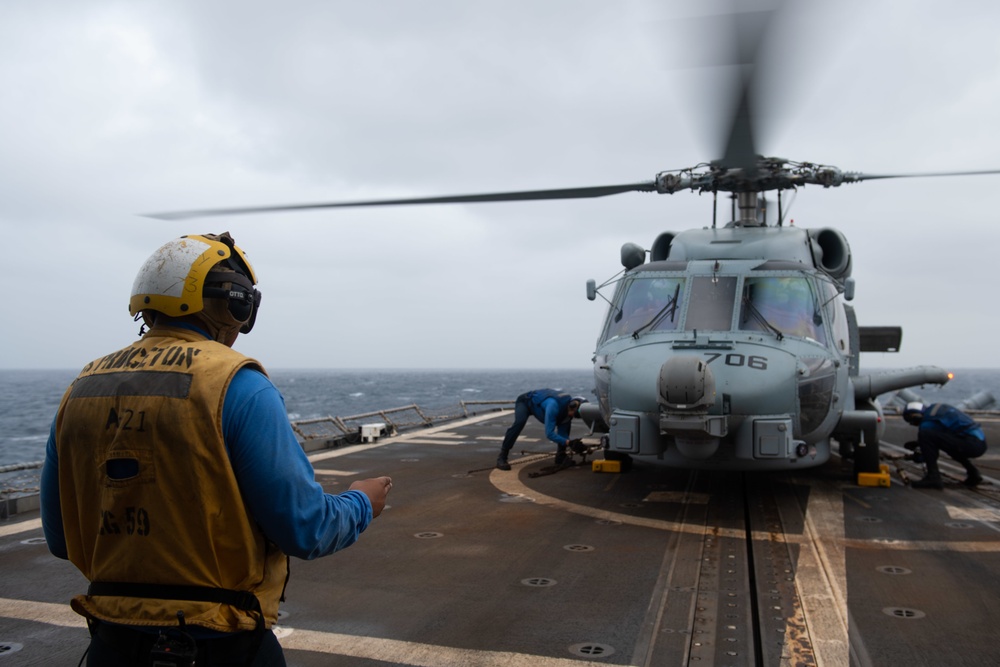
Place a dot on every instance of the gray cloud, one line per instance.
(113, 109)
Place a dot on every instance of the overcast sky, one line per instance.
(112, 109)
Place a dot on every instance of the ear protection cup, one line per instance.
(242, 299)
(245, 309)
(240, 306)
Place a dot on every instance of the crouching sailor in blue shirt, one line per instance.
(555, 410)
(944, 428)
(174, 482)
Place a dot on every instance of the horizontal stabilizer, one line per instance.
(590, 413)
(875, 384)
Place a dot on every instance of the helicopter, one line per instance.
(731, 346)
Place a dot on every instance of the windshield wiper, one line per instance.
(670, 308)
(759, 318)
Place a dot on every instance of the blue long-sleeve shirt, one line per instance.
(275, 477)
(555, 431)
(549, 407)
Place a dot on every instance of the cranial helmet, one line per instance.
(176, 279)
(913, 412)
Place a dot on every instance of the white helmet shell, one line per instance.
(172, 280)
(913, 412)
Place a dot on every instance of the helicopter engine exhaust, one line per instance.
(830, 252)
(686, 391)
(661, 246)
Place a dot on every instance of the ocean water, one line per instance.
(29, 398)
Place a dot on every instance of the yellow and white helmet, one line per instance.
(175, 279)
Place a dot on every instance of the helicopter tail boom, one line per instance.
(591, 415)
(869, 386)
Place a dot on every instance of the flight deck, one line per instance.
(469, 565)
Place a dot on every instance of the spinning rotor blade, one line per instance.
(749, 28)
(740, 150)
(872, 177)
(564, 193)
(736, 39)
(746, 30)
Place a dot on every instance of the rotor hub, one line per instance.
(768, 174)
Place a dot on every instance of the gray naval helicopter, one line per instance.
(731, 346)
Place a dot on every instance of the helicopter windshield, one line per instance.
(782, 304)
(650, 304)
(711, 304)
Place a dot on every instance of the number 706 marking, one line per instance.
(736, 359)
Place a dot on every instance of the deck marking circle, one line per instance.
(428, 535)
(958, 524)
(893, 569)
(591, 650)
(511, 484)
(516, 498)
(578, 547)
(34, 540)
(7, 648)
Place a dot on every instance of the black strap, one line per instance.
(243, 600)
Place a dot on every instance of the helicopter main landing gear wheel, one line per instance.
(624, 459)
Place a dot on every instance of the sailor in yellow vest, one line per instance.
(156, 470)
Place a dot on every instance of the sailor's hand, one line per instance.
(577, 446)
(376, 488)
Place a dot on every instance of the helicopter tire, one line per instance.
(866, 458)
(846, 449)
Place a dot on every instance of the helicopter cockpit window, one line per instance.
(650, 304)
(782, 304)
(711, 303)
(838, 320)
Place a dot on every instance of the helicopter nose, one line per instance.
(686, 391)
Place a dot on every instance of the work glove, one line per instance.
(577, 446)
(916, 455)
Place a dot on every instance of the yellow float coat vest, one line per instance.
(179, 518)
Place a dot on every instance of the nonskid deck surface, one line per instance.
(474, 566)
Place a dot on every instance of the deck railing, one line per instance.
(395, 419)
